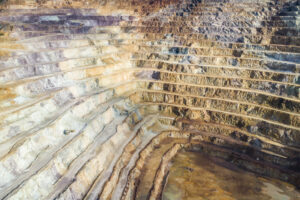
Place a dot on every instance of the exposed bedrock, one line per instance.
(98, 97)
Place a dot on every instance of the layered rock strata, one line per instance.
(97, 97)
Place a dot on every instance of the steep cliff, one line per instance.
(97, 97)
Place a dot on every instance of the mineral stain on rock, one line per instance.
(98, 96)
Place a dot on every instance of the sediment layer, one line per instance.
(96, 98)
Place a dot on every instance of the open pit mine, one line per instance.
(150, 99)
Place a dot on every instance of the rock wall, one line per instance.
(96, 97)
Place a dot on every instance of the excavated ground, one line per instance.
(155, 99)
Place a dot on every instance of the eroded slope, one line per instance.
(97, 97)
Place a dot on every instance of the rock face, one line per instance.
(96, 97)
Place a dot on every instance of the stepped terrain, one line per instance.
(98, 97)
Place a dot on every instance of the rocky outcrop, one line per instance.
(96, 97)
